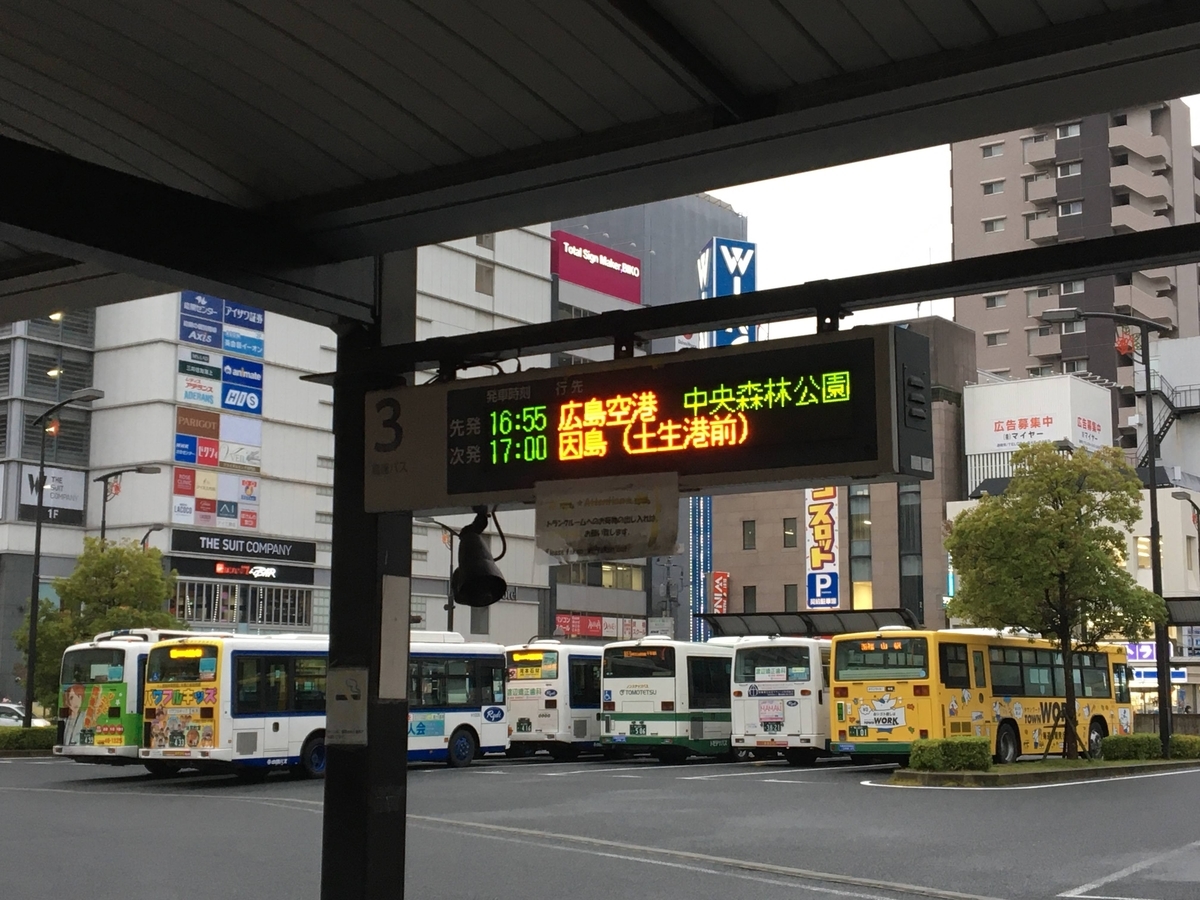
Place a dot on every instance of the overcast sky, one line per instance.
(887, 213)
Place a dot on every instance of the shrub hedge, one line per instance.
(28, 738)
(1131, 746)
(1185, 746)
(951, 755)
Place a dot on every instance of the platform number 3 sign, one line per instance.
(389, 408)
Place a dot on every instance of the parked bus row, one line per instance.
(248, 704)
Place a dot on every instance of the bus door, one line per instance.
(276, 723)
(583, 673)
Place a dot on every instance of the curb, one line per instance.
(22, 754)
(909, 777)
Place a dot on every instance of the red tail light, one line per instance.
(66, 713)
(924, 734)
(841, 735)
(841, 692)
(610, 706)
(920, 690)
(551, 704)
(805, 692)
(668, 706)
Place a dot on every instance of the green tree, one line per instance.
(1047, 556)
(114, 585)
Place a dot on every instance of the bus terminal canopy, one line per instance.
(267, 152)
(810, 624)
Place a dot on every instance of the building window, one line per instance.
(1143, 553)
(567, 311)
(68, 436)
(213, 603)
(749, 598)
(485, 278)
(77, 327)
(991, 150)
(1070, 287)
(1120, 199)
(1067, 169)
(1069, 130)
(324, 462)
(1040, 371)
(621, 576)
(1120, 159)
(748, 534)
(1119, 119)
(860, 546)
(324, 490)
(5, 368)
(53, 373)
(324, 518)
(912, 579)
(1071, 208)
(1075, 366)
(479, 619)
(791, 597)
(1190, 552)
(996, 339)
(487, 242)
(1073, 327)
(991, 226)
(789, 532)
(1045, 330)
(995, 301)
(993, 187)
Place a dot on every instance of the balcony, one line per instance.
(1125, 378)
(1152, 147)
(1129, 218)
(1129, 300)
(1043, 231)
(1128, 418)
(1045, 345)
(1038, 305)
(1043, 191)
(1153, 187)
(1039, 154)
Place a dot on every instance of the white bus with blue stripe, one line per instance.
(456, 699)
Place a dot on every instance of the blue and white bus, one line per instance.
(456, 699)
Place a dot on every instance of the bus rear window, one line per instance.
(532, 665)
(639, 662)
(182, 663)
(879, 658)
(772, 664)
(93, 665)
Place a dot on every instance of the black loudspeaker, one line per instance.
(477, 580)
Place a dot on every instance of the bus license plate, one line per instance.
(772, 727)
(637, 729)
(524, 726)
(858, 731)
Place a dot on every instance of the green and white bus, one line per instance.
(100, 696)
(669, 697)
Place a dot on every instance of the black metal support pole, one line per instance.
(103, 510)
(450, 586)
(1162, 644)
(34, 589)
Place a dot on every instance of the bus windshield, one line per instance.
(639, 662)
(93, 665)
(772, 664)
(182, 663)
(532, 665)
(876, 658)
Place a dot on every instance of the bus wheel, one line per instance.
(312, 756)
(1097, 732)
(462, 749)
(516, 751)
(1008, 744)
(801, 757)
(159, 769)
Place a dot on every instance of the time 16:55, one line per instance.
(529, 419)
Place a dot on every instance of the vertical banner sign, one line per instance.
(821, 542)
(720, 592)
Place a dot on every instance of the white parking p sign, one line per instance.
(822, 590)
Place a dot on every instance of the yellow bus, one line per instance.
(896, 685)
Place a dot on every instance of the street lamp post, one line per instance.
(1162, 643)
(446, 530)
(109, 476)
(84, 396)
(146, 536)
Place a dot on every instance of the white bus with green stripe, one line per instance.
(781, 697)
(669, 697)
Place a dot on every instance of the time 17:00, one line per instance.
(529, 421)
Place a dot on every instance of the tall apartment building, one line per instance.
(1129, 170)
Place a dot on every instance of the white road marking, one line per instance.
(627, 776)
(280, 802)
(1107, 897)
(1022, 787)
(1128, 870)
(790, 781)
(765, 868)
(719, 775)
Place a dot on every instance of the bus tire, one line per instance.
(1008, 744)
(159, 769)
(801, 757)
(517, 751)
(312, 756)
(1097, 732)
(461, 751)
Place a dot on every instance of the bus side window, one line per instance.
(980, 671)
(276, 696)
(141, 683)
(954, 665)
(248, 671)
(584, 688)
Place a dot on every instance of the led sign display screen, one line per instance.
(796, 406)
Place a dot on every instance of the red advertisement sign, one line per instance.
(248, 518)
(596, 267)
(206, 506)
(720, 592)
(208, 452)
(592, 626)
(185, 482)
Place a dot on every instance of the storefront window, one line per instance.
(217, 603)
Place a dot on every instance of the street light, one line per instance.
(1162, 644)
(86, 395)
(105, 479)
(149, 531)
(446, 530)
